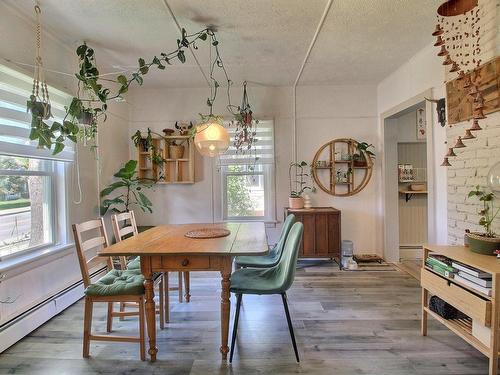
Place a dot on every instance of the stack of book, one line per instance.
(473, 278)
(441, 265)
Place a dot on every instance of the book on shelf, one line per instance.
(440, 270)
(473, 285)
(471, 270)
(440, 261)
(485, 283)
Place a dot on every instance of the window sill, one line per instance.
(32, 256)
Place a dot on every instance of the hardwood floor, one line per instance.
(345, 323)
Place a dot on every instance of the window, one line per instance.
(247, 179)
(25, 204)
(31, 180)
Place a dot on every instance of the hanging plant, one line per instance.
(246, 126)
(93, 96)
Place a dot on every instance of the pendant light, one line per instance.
(475, 125)
(445, 163)
(211, 138)
(468, 135)
(459, 143)
(450, 152)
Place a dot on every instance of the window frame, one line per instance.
(56, 177)
(269, 193)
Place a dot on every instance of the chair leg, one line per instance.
(167, 301)
(109, 323)
(180, 286)
(87, 326)
(161, 295)
(142, 343)
(122, 309)
(187, 287)
(235, 325)
(290, 326)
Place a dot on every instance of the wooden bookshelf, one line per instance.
(480, 308)
(174, 168)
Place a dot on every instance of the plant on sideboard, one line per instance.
(130, 191)
(487, 242)
(297, 183)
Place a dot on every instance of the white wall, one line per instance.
(324, 113)
(33, 282)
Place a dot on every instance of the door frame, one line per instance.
(390, 213)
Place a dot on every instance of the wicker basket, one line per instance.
(176, 151)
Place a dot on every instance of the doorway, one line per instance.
(408, 180)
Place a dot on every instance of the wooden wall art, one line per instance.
(460, 104)
(340, 169)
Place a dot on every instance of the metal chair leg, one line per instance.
(290, 326)
(235, 325)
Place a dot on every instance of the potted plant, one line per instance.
(484, 243)
(297, 184)
(362, 154)
(176, 149)
(130, 190)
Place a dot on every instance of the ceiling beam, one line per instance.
(169, 9)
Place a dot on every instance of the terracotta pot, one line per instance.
(483, 245)
(176, 152)
(296, 202)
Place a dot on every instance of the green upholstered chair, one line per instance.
(274, 280)
(116, 286)
(271, 259)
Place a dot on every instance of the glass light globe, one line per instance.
(494, 177)
(211, 138)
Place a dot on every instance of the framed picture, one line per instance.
(421, 124)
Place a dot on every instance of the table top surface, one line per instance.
(245, 239)
(463, 254)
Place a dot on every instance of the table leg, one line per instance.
(225, 304)
(425, 301)
(150, 305)
(495, 318)
(187, 286)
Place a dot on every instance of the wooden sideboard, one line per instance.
(321, 237)
(483, 310)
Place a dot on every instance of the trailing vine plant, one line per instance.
(91, 102)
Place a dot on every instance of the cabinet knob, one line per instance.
(185, 262)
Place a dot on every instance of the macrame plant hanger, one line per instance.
(40, 91)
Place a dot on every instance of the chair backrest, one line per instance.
(86, 249)
(121, 229)
(285, 269)
(287, 225)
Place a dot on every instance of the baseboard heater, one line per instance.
(21, 325)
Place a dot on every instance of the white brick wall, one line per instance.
(471, 165)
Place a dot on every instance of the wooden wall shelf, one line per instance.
(358, 172)
(171, 170)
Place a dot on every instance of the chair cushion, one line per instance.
(116, 283)
(259, 261)
(256, 281)
(134, 264)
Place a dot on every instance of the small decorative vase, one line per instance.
(296, 202)
(176, 151)
(307, 201)
(483, 245)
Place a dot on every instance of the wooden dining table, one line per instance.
(166, 248)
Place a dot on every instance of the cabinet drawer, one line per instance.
(465, 301)
(186, 262)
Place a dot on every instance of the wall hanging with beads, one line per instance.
(459, 35)
(343, 166)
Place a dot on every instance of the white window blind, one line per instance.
(263, 148)
(15, 122)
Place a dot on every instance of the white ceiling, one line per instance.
(261, 41)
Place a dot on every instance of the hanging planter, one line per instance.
(86, 118)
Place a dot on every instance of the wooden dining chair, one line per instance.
(125, 225)
(116, 286)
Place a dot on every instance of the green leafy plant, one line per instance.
(130, 191)
(93, 96)
(297, 181)
(363, 148)
(488, 212)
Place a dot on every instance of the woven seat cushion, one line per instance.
(116, 283)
